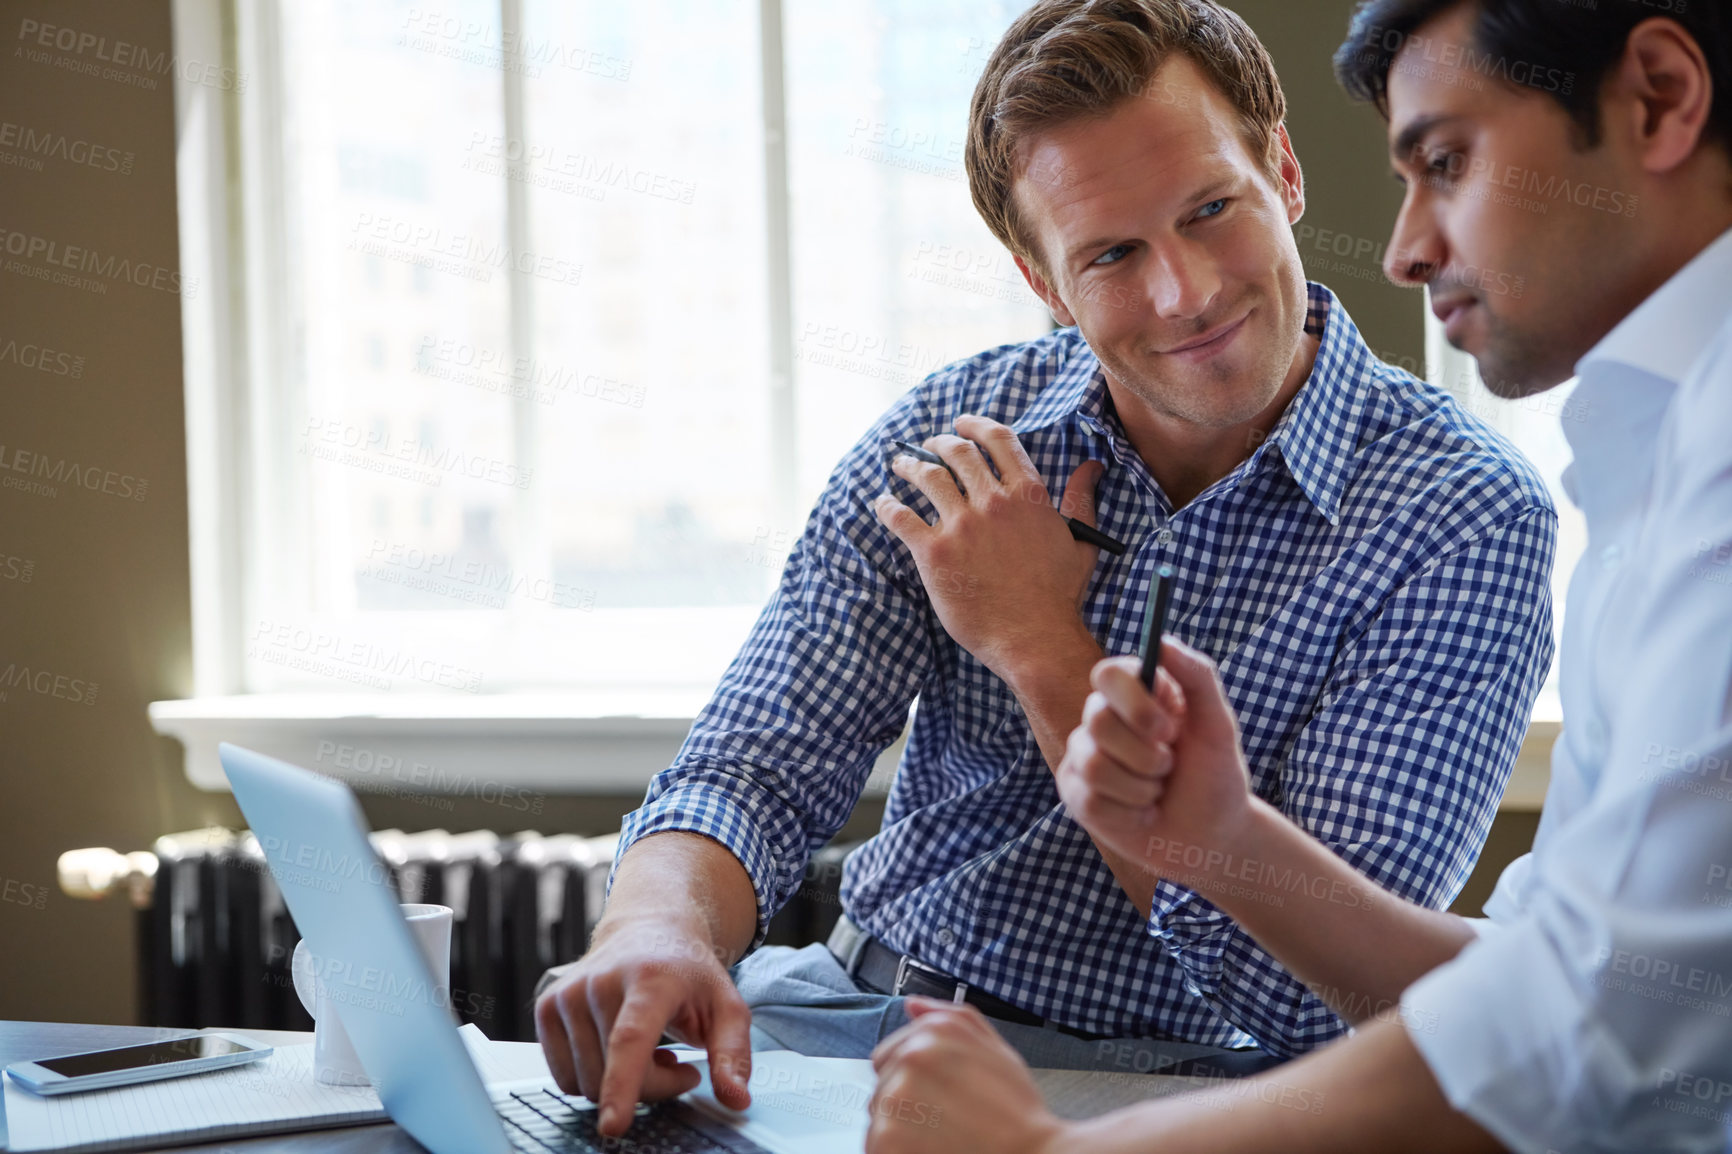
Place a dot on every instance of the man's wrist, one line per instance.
(1220, 859)
(687, 934)
(1039, 661)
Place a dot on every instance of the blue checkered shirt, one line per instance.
(1374, 582)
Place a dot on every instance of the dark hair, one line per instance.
(1564, 48)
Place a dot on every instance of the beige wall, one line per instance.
(107, 596)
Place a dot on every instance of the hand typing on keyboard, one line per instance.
(602, 1024)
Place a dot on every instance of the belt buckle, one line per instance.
(905, 961)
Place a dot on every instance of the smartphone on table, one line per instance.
(103, 1069)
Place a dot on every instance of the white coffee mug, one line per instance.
(334, 1058)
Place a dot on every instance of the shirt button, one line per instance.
(1164, 537)
(945, 937)
(1612, 556)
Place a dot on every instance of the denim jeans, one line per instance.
(803, 1000)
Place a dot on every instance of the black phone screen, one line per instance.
(132, 1057)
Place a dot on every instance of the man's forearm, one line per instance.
(686, 880)
(1356, 945)
(1051, 688)
(1369, 1092)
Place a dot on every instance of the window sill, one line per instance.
(563, 744)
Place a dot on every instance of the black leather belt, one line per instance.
(873, 964)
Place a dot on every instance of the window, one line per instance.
(547, 320)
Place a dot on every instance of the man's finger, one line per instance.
(1000, 444)
(1209, 713)
(886, 1051)
(1120, 826)
(934, 481)
(1136, 754)
(1145, 713)
(730, 1050)
(578, 1018)
(1079, 492)
(556, 1047)
(631, 1040)
(910, 527)
(966, 460)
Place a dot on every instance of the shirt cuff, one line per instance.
(703, 809)
(1193, 931)
(1506, 1034)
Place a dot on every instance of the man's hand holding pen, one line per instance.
(1002, 568)
(1159, 777)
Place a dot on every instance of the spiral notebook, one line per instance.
(274, 1095)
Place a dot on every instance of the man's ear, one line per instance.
(1291, 176)
(1668, 88)
(1044, 291)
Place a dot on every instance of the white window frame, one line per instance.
(594, 741)
(567, 743)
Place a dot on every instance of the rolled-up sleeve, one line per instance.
(774, 764)
(1399, 770)
(1601, 1019)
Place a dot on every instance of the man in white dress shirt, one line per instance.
(1586, 149)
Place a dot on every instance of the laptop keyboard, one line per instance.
(544, 1121)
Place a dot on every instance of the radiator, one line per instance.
(213, 938)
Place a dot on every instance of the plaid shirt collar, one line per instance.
(1315, 440)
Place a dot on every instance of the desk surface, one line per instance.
(1068, 1093)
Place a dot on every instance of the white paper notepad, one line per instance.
(272, 1095)
(275, 1095)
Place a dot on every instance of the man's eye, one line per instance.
(1441, 163)
(1113, 255)
(1213, 208)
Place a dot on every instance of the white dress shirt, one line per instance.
(1594, 1012)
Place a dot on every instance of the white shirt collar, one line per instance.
(1628, 381)
(1667, 332)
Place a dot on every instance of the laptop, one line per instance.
(314, 838)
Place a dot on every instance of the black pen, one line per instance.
(1087, 534)
(1155, 622)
